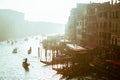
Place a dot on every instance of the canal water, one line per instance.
(11, 63)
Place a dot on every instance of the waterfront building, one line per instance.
(96, 25)
(108, 30)
(80, 24)
(98, 30)
(75, 25)
(90, 28)
(70, 27)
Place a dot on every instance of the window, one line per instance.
(110, 25)
(105, 15)
(115, 27)
(116, 14)
(109, 14)
(115, 41)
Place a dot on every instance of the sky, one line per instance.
(56, 11)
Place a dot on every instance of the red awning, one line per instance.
(112, 53)
(112, 62)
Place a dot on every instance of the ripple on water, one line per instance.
(11, 64)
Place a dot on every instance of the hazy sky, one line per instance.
(44, 10)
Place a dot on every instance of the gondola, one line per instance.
(46, 62)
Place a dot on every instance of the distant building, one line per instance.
(13, 25)
(75, 24)
(70, 27)
(10, 20)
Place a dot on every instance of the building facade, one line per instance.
(75, 25)
(96, 25)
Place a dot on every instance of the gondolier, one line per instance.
(25, 64)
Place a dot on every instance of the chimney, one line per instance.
(115, 1)
(112, 2)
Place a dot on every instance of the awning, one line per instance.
(75, 47)
(112, 53)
